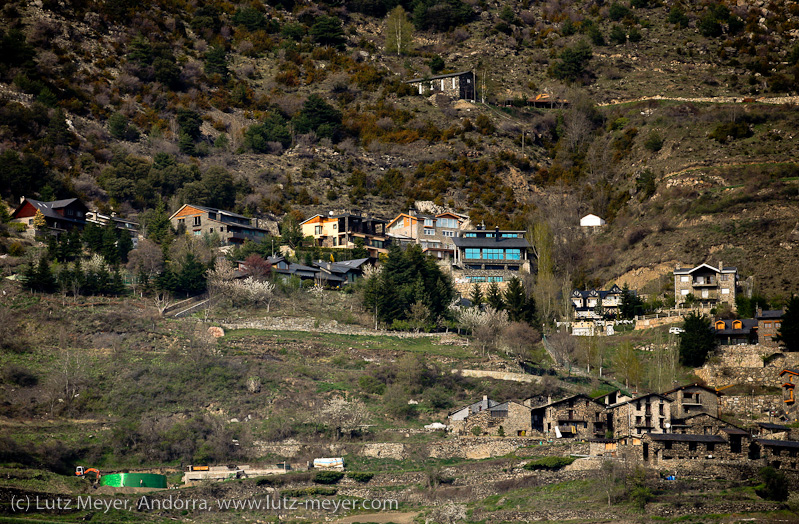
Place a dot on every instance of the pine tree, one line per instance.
(494, 297)
(476, 295)
(789, 327)
(697, 341)
(515, 300)
(109, 247)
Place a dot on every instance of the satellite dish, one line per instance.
(667, 425)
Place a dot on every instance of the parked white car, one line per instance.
(676, 330)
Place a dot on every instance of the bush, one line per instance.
(774, 485)
(731, 130)
(549, 463)
(328, 477)
(477, 431)
(654, 142)
(617, 11)
(305, 492)
(361, 477)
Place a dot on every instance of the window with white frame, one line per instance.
(429, 232)
(685, 278)
(448, 233)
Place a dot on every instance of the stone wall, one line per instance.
(750, 364)
(751, 405)
(465, 447)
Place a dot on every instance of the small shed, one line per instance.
(591, 221)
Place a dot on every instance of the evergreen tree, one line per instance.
(494, 297)
(515, 299)
(789, 328)
(109, 249)
(93, 238)
(117, 285)
(327, 31)
(41, 278)
(157, 224)
(697, 341)
(216, 62)
(124, 245)
(476, 295)
(191, 279)
(630, 305)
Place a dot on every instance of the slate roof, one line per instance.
(689, 270)
(771, 313)
(769, 425)
(623, 402)
(48, 208)
(747, 323)
(437, 77)
(465, 242)
(735, 431)
(685, 386)
(778, 443)
(687, 437)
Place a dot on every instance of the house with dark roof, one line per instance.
(337, 274)
(691, 399)
(476, 407)
(231, 227)
(59, 215)
(456, 85)
(735, 332)
(578, 416)
(500, 419)
(650, 413)
(595, 304)
(708, 285)
(483, 255)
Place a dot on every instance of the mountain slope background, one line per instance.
(284, 107)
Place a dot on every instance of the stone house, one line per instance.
(232, 228)
(491, 418)
(692, 399)
(649, 413)
(59, 215)
(779, 454)
(771, 430)
(435, 233)
(344, 229)
(578, 416)
(489, 256)
(769, 323)
(455, 85)
(707, 284)
(659, 449)
(790, 379)
(613, 397)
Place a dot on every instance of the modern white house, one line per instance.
(591, 221)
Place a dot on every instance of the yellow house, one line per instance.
(342, 230)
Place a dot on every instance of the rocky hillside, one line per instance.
(281, 107)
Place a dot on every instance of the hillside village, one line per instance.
(484, 262)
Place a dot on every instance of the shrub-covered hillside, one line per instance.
(271, 108)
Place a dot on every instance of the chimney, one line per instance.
(677, 266)
(22, 199)
(721, 265)
(485, 398)
(496, 233)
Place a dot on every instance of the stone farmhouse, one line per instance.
(769, 323)
(692, 399)
(578, 416)
(707, 284)
(231, 227)
(455, 85)
(649, 413)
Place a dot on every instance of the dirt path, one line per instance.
(380, 518)
(780, 100)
